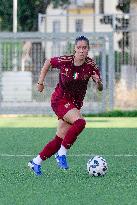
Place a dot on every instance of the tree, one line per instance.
(6, 15)
(27, 13)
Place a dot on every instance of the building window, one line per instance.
(101, 6)
(56, 26)
(56, 48)
(79, 25)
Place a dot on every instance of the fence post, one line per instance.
(104, 77)
(111, 72)
(0, 74)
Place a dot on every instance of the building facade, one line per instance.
(81, 16)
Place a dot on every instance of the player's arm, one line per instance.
(97, 80)
(96, 76)
(44, 70)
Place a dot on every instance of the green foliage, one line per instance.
(6, 17)
(69, 49)
(27, 13)
(119, 57)
(116, 113)
(123, 5)
(61, 3)
(8, 49)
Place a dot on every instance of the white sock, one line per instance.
(37, 160)
(62, 151)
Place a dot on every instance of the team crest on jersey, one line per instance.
(75, 75)
(66, 72)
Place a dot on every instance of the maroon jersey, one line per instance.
(73, 79)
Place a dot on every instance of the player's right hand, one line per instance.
(40, 87)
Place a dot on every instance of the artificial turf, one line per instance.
(22, 139)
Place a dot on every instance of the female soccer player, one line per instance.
(67, 100)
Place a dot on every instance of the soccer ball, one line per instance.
(97, 166)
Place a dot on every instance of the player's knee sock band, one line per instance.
(73, 132)
(51, 148)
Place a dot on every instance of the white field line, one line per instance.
(72, 155)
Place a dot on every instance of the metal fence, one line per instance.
(23, 54)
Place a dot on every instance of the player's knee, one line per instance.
(62, 132)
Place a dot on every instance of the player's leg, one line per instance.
(50, 148)
(53, 146)
(78, 123)
(62, 129)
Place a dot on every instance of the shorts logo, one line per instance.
(67, 105)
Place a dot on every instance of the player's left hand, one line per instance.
(95, 77)
(98, 81)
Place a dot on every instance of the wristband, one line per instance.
(40, 83)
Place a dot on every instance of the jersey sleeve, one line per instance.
(55, 62)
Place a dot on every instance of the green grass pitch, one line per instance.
(115, 139)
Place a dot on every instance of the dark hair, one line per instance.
(82, 38)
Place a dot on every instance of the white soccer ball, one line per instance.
(97, 166)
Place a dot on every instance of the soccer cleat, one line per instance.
(61, 161)
(35, 168)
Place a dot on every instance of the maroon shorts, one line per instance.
(61, 106)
